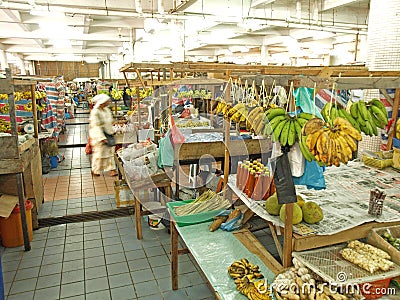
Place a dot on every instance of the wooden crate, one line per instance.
(123, 194)
(376, 240)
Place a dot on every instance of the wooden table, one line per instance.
(312, 241)
(214, 252)
(160, 180)
(191, 153)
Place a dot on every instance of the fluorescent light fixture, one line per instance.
(44, 12)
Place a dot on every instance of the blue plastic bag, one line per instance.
(231, 225)
(313, 176)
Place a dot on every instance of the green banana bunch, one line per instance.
(285, 128)
(369, 115)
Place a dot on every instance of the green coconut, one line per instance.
(297, 213)
(312, 212)
(272, 206)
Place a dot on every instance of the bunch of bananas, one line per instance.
(371, 115)
(5, 109)
(5, 126)
(238, 113)
(285, 128)
(28, 106)
(41, 107)
(245, 274)
(22, 95)
(116, 94)
(328, 144)
(131, 92)
(39, 95)
(223, 107)
(256, 121)
(364, 116)
(3, 97)
(146, 92)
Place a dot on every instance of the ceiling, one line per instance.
(241, 31)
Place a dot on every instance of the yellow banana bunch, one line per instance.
(328, 144)
(28, 106)
(5, 109)
(116, 94)
(5, 126)
(220, 105)
(238, 113)
(246, 277)
(39, 95)
(3, 97)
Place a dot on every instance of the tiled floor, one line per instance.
(99, 259)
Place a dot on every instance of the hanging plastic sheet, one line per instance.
(305, 99)
(165, 152)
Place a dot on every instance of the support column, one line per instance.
(3, 60)
(264, 55)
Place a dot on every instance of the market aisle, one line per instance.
(99, 259)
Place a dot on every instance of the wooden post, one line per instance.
(287, 238)
(174, 255)
(34, 112)
(126, 80)
(212, 105)
(395, 114)
(227, 140)
(138, 217)
(138, 106)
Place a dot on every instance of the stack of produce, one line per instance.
(246, 277)
(219, 219)
(309, 212)
(253, 178)
(366, 117)
(192, 124)
(367, 256)
(327, 143)
(395, 242)
(5, 126)
(298, 283)
(208, 201)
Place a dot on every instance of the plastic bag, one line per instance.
(313, 176)
(231, 225)
(296, 158)
(304, 99)
(165, 152)
(88, 148)
(175, 134)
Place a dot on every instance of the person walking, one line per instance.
(100, 121)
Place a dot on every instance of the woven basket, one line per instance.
(370, 143)
(385, 160)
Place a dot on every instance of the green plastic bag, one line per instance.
(304, 98)
(166, 152)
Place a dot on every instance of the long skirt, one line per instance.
(102, 158)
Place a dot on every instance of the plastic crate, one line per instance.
(191, 219)
(375, 289)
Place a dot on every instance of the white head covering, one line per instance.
(100, 99)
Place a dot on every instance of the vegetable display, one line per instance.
(395, 242)
(207, 201)
(367, 257)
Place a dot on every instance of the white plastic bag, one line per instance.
(295, 156)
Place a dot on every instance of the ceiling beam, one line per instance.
(329, 4)
(16, 17)
(260, 2)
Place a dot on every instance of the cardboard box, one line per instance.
(376, 240)
(7, 204)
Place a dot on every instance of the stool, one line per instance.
(166, 184)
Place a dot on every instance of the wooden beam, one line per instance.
(387, 96)
(276, 239)
(287, 238)
(395, 114)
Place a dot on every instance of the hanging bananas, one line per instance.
(328, 144)
(238, 113)
(5, 126)
(364, 116)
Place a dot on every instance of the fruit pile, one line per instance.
(4, 109)
(246, 275)
(329, 144)
(367, 257)
(309, 212)
(5, 126)
(191, 124)
(395, 242)
(364, 116)
(299, 283)
(116, 94)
